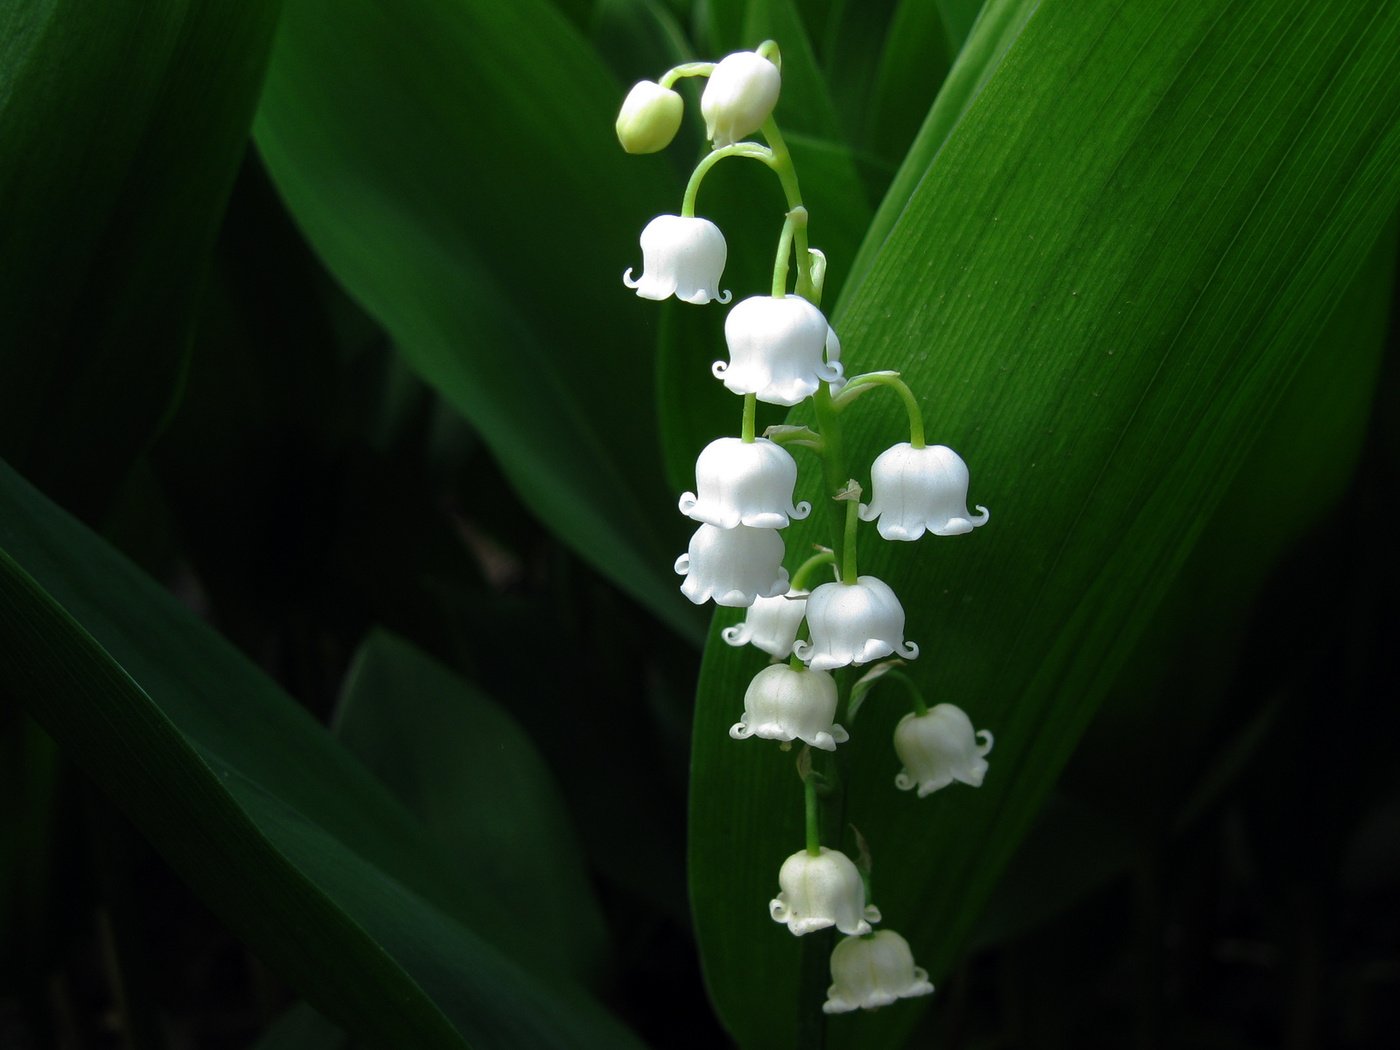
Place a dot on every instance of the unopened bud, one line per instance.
(650, 117)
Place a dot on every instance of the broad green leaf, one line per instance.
(454, 165)
(997, 28)
(288, 838)
(1179, 678)
(463, 765)
(121, 127)
(1102, 285)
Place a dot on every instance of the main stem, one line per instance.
(848, 544)
(781, 163)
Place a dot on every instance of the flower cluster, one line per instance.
(782, 350)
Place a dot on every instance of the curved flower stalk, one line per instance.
(780, 350)
(873, 971)
(733, 566)
(744, 483)
(939, 747)
(820, 890)
(920, 489)
(786, 703)
(739, 97)
(771, 624)
(682, 256)
(853, 623)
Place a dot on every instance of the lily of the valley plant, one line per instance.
(782, 351)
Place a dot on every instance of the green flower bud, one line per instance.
(650, 117)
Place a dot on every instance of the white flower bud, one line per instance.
(780, 349)
(739, 97)
(918, 489)
(938, 748)
(744, 483)
(821, 891)
(853, 623)
(784, 703)
(733, 566)
(650, 117)
(681, 256)
(873, 971)
(770, 624)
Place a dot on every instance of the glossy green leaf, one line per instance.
(1102, 285)
(121, 127)
(998, 27)
(472, 197)
(289, 838)
(1179, 678)
(463, 765)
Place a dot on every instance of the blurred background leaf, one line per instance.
(108, 224)
(456, 195)
(280, 829)
(1149, 318)
(463, 766)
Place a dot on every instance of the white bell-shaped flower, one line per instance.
(744, 483)
(650, 117)
(770, 624)
(787, 703)
(739, 96)
(873, 971)
(780, 349)
(853, 623)
(733, 566)
(821, 891)
(920, 489)
(681, 256)
(938, 748)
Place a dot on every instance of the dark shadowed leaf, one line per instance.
(286, 835)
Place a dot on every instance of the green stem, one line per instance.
(811, 565)
(738, 149)
(814, 835)
(834, 472)
(750, 410)
(688, 69)
(848, 548)
(857, 385)
(781, 163)
(796, 219)
(920, 708)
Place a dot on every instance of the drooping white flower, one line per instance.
(853, 623)
(785, 703)
(873, 971)
(650, 117)
(681, 256)
(780, 349)
(733, 566)
(920, 489)
(739, 96)
(770, 624)
(744, 483)
(821, 891)
(938, 748)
